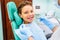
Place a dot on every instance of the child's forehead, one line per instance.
(27, 7)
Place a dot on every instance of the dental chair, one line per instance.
(14, 18)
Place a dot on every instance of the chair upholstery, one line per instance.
(15, 19)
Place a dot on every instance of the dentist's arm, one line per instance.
(49, 24)
(55, 28)
(30, 38)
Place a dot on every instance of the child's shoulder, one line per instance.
(21, 26)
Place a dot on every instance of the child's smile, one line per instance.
(27, 14)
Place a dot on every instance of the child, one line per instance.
(29, 30)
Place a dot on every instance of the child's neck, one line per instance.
(26, 22)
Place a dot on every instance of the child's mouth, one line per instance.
(30, 18)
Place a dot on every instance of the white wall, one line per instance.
(45, 6)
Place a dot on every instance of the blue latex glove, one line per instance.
(47, 22)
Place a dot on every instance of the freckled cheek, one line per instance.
(30, 15)
(26, 16)
(33, 15)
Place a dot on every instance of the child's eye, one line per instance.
(31, 11)
(25, 12)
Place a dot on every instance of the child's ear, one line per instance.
(20, 15)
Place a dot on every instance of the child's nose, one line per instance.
(30, 14)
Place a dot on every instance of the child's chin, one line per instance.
(30, 21)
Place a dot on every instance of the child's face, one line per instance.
(27, 14)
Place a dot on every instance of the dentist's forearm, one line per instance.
(55, 28)
(30, 38)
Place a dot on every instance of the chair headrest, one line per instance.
(11, 8)
(13, 13)
(18, 19)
